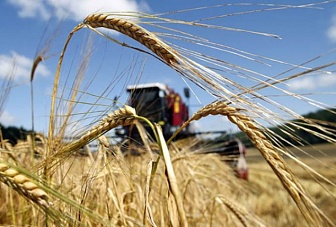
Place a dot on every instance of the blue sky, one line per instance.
(306, 33)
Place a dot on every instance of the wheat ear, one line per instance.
(242, 214)
(120, 117)
(23, 185)
(312, 214)
(134, 31)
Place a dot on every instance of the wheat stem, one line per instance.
(173, 187)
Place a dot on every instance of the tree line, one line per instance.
(13, 133)
(294, 131)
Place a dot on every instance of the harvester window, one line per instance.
(147, 103)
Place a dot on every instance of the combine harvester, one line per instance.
(159, 103)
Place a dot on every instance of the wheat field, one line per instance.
(171, 183)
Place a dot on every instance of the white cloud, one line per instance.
(313, 82)
(31, 8)
(74, 10)
(6, 118)
(20, 66)
(331, 33)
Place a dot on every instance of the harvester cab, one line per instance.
(158, 103)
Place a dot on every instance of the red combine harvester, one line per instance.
(161, 104)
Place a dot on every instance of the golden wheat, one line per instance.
(120, 117)
(124, 116)
(290, 182)
(248, 126)
(134, 31)
(23, 185)
(241, 212)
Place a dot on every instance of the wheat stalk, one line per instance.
(312, 214)
(171, 177)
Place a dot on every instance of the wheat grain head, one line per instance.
(23, 185)
(120, 117)
(134, 31)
